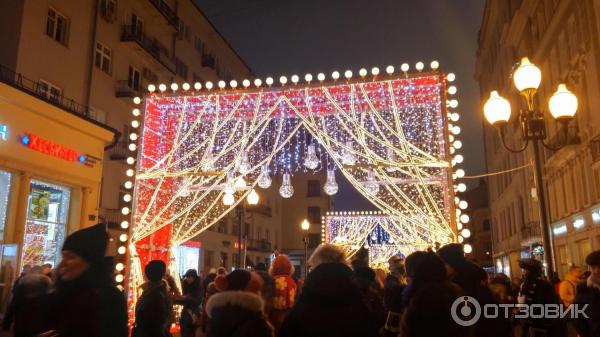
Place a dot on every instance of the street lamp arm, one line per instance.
(501, 134)
(561, 144)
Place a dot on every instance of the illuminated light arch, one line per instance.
(192, 143)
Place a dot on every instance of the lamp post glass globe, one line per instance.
(305, 225)
(563, 103)
(496, 109)
(527, 76)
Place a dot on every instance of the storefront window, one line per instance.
(4, 193)
(187, 258)
(47, 214)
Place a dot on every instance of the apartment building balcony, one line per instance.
(39, 91)
(594, 146)
(258, 245)
(125, 90)
(167, 13)
(149, 45)
(531, 233)
(569, 140)
(260, 209)
(120, 151)
(112, 218)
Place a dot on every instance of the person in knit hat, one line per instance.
(237, 309)
(284, 293)
(153, 308)
(86, 301)
(588, 293)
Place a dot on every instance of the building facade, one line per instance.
(561, 38)
(103, 53)
(50, 175)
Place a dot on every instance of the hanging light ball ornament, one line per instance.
(207, 165)
(312, 161)
(371, 185)
(228, 199)
(229, 184)
(348, 157)
(264, 180)
(244, 165)
(331, 186)
(391, 156)
(286, 190)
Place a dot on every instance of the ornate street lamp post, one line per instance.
(305, 226)
(563, 106)
(251, 199)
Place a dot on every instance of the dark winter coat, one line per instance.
(537, 290)
(29, 307)
(330, 305)
(429, 312)
(471, 280)
(392, 293)
(237, 314)
(588, 293)
(89, 306)
(76, 307)
(192, 298)
(152, 312)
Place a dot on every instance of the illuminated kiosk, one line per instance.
(203, 148)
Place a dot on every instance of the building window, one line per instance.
(314, 215)
(57, 26)
(198, 44)
(223, 262)
(208, 258)
(133, 79)
(222, 226)
(150, 75)
(579, 222)
(181, 69)
(562, 260)
(184, 31)
(49, 90)
(103, 57)
(584, 248)
(196, 78)
(108, 9)
(137, 25)
(313, 188)
(559, 229)
(45, 227)
(4, 194)
(486, 224)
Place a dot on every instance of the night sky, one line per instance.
(285, 37)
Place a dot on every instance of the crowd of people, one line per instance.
(340, 296)
(78, 298)
(345, 297)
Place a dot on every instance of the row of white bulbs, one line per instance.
(123, 238)
(455, 145)
(283, 80)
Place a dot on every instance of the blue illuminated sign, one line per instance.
(3, 132)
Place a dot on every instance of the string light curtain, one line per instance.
(387, 136)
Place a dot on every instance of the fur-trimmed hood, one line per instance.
(242, 299)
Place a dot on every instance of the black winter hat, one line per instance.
(452, 254)
(593, 259)
(89, 243)
(530, 264)
(155, 270)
